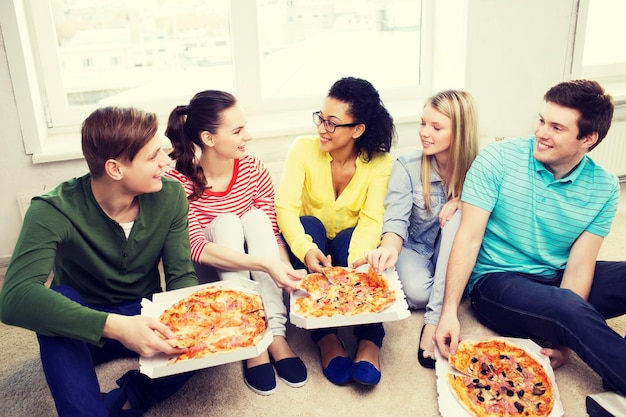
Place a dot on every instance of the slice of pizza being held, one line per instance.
(214, 320)
(500, 379)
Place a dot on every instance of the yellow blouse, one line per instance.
(306, 188)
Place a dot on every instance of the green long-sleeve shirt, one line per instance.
(65, 231)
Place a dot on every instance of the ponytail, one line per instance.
(184, 150)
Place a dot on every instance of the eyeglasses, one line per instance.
(328, 125)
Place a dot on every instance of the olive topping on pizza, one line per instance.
(500, 379)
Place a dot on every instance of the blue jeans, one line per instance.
(526, 306)
(423, 279)
(69, 367)
(337, 248)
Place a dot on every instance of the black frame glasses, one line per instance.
(328, 125)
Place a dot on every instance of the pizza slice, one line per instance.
(376, 280)
(338, 275)
(315, 283)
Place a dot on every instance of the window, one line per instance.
(153, 54)
(603, 58)
(274, 55)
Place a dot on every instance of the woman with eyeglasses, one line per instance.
(423, 205)
(330, 207)
(232, 221)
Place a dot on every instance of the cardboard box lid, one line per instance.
(449, 406)
(397, 311)
(157, 365)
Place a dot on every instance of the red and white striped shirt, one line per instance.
(251, 187)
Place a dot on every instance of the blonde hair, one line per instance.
(460, 107)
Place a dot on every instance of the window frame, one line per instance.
(37, 91)
(612, 76)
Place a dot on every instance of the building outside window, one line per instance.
(272, 54)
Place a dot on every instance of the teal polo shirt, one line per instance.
(535, 219)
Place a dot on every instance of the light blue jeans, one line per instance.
(423, 279)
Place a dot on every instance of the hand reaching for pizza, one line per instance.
(381, 258)
(315, 260)
(283, 274)
(448, 334)
(140, 333)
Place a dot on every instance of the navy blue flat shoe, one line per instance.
(365, 373)
(291, 371)
(114, 400)
(606, 404)
(423, 360)
(261, 379)
(338, 370)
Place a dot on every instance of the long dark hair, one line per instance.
(184, 127)
(366, 107)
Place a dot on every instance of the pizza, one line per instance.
(343, 291)
(214, 320)
(500, 379)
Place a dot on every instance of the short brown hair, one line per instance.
(115, 133)
(589, 98)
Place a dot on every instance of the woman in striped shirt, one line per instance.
(232, 220)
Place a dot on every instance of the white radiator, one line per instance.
(611, 152)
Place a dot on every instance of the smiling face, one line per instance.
(556, 143)
(435, 132)
(230, 139)
(143, 174)
(343, 139)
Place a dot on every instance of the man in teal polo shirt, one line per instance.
(102, 236)
(535, 213)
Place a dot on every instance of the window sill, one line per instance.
(66, 146)
(59, 147)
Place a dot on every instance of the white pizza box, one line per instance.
(449, 405)
(157, 365)
(397, 311)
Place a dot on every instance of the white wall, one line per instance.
(513, 51)
(17, 172)
(516, 50)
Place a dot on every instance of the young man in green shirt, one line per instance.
(102, 236)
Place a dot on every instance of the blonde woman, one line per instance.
(422, 207)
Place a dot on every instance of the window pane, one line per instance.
(605, 26)
(135, 51)
(306, 45)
